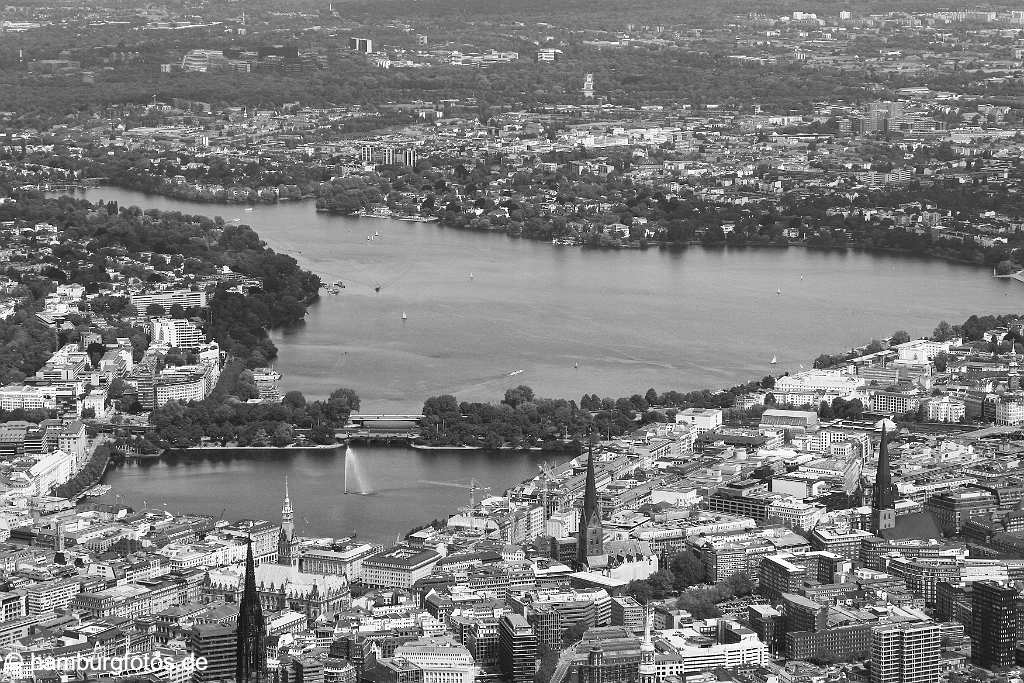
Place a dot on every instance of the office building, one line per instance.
(995, 616)
(364, 45)
(517, 649)
(398, 567)
(905, 653)
(173, 332)
(215, 643)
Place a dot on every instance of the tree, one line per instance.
(294, 400)
(823, 361)
(943, 332)
(177, 311)
(95, 351)
(651, 397)
(687, 569)
(574, 633)
(155, 311)
(899, 337)
(520, 394)
(941, 361)
(341, 403)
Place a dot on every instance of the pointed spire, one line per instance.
(590, 537)
(251, 628)
(250, 571)
(647, 626)
(286, 507)
(590, 492)
(885, 491)
(647, 671)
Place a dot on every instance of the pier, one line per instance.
(1018, 276)
(380, 428)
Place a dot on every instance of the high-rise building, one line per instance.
(216, 644)
(251, 629)
(483, 642)
(517, 649)
(287, 545)
(905, 653)
(588, 86)
(360, 44)
(547, 624)
(590, 539)
(995, 612)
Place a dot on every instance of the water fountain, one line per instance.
(354, 479)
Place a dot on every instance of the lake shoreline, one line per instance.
(629, 247)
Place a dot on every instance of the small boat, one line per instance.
(332, 290)
(404, 316)
(774, 360)
(377, 288)
(248, 208)
(576, 365)
(376, 234)
(778, 292)
(339, 284)
(369, 237)
(514, 373)
(801, 277)
(471, 276)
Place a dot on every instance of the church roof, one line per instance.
(916, 526)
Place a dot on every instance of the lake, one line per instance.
(570, 321)
(406, 487)
(479, 307)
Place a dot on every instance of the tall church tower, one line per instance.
(647, 672)
(287, 546)
(590, 539)
(251, 628)
(883, 507)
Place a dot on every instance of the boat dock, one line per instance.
(1018, 276)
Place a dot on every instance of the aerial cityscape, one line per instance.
(460, 341)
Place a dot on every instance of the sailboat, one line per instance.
(376, 234)
(778, 292)
(576, 365)
(404, 316)
(471, 275)
(774, 360)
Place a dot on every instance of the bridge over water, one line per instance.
(381, 427)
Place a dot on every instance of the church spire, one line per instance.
(287, 544)
(883, 505)
(251, 628)
(885, 491)
(590, 539)
(590, 492)
(287, 514)
(647, 672)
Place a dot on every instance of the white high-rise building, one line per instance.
(905, 653)
(180, 334)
